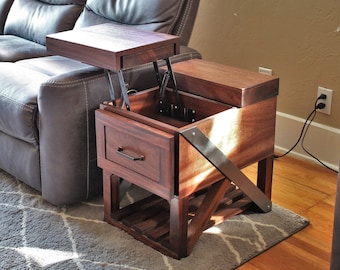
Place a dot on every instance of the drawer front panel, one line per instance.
(133, 153)
(140, 149)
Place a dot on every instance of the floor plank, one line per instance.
(308, 189)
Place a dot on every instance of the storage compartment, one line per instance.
(145, 107)
(143, 144)
(244, 135)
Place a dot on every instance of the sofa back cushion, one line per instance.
(34, 19)
(152, 15)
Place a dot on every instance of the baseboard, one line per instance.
(321, 140)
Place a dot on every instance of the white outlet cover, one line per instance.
(265, 71)
(327, 101)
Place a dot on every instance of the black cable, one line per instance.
(309, 153)
(300, 136)
(303, 133)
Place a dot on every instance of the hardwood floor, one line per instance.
(309, 190)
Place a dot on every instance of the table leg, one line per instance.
(265, 176)
(179, 226)
(110, 194)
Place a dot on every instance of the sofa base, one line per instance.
(23, 163)
(25, 166)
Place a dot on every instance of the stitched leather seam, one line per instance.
(25, 139)
(72, 83)
(172, 25)
(185, 19)
(87, 141)
(25, 107)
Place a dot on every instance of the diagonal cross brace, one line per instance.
(214, 155)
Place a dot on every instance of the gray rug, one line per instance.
(37, 235)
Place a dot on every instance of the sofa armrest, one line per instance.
(67, 135)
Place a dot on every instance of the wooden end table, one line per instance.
(192, 168)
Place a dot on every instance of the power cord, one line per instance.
(304, 130)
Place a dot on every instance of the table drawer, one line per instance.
(144, 155)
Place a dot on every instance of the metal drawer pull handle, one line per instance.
(120, 151)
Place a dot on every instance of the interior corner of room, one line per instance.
(298, 42)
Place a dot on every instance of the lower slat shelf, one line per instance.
(148, 220)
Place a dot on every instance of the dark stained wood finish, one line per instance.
(174, 170)
(113, 46)
(264, 176)
(237, 87)
(156, 172)
(206, 210)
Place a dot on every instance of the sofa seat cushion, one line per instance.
(13, 48)
(19, 88)
(53, 65)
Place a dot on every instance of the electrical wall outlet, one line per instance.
(265, 71)
(327, 101)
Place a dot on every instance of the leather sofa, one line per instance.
(47, 103)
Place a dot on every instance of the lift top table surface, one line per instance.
(112, 46)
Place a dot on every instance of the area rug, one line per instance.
(37, 235)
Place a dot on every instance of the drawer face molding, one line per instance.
(134, 146)
(139, 153)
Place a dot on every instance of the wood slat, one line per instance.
(135, 207)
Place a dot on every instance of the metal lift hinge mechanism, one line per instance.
(166, 108)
